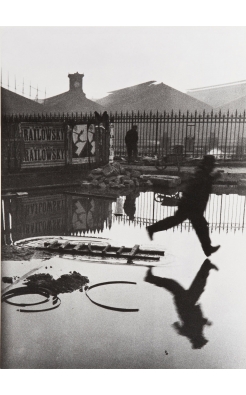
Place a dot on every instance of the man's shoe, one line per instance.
(148, 274)
(212, 250)
(150, 233)
(210, 265)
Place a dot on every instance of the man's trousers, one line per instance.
(197, 220)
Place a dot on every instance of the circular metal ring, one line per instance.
(109, 307)
(25, 291)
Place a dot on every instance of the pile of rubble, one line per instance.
(115, 176)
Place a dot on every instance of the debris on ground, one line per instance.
(115, 176)
(67, 283)
(9, 280)
(16, 253)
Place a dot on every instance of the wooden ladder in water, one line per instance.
(99, 250)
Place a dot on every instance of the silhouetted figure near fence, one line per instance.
(190, 313)
(130, 205)
(193, 204)
(131, 141)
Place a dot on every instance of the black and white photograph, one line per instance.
(123, 197)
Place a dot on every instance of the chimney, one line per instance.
(76, 82)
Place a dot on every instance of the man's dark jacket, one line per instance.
(131, 138)
(197, 191)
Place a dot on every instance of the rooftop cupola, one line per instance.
(76, 81)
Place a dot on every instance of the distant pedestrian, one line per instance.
(131, 141)
(193, 204)
(130, 205)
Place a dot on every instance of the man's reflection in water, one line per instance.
(130, 205)
(190, 313)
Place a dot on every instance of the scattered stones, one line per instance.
(136, 173)
(114, 176)
(97, 171)
(86, 185)
(125, 177)
(117, 166)
(119, 179)
(110, 170)
(102, 185)
(94, 183)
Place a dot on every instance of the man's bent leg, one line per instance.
(168, 222)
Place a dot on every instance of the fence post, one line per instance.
(111, 143)
(227, 127)
(186, 131)
(156, 132)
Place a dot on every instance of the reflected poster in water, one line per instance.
(68, 214)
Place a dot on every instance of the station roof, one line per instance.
(12, 103)
(151, 97)
(71, 101)
(238, 105)
(219, 96)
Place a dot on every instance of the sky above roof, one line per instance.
(112, 58)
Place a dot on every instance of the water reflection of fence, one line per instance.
(224, 212)
(63, 214)
(52, 215)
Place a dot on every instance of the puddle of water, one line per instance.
(63, 214)
(80, 334)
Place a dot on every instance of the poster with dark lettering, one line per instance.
(83, 143)
(44, 144)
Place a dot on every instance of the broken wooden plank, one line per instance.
(54, 245)
(119, 251)
(104, 251)
(89, 248)
(64, 245)
(79, 246)
(134, 250)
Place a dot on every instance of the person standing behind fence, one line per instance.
(193, 204)
(131, 141)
